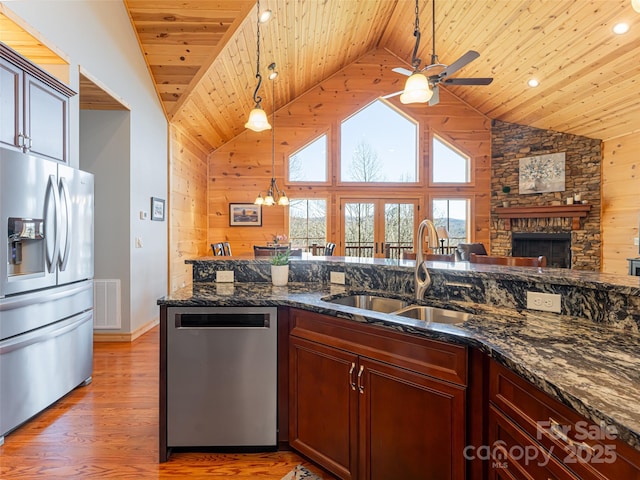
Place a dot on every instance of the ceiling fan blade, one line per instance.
(402, 71)
(435, 98)
(468, 57)
(392, 94)
(467, 81)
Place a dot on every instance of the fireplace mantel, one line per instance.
(575, 212)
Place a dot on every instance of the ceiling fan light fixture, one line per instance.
(416, 89)
(258, 121)
(635, 4)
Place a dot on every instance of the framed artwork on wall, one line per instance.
(542, 173)
(157, 209)
(245, 215)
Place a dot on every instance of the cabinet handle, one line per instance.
(21, 142)
(351, 382)
(360, 386)
(30, 143)
(557, 432)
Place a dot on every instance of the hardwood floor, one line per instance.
(109, 429)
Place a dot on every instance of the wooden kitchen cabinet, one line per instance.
(367, 403)
(521, 415)
(34, 117)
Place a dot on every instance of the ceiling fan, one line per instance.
(422, 84)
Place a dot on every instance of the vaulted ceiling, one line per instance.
(201, 55)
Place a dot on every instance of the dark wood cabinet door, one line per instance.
(11, 78)
(46, 120)
(323, 408)
(411, 425)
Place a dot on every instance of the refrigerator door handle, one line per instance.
(67, 244)
(53, 260)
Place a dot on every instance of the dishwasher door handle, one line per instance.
(208, 321)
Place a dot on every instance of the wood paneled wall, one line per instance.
(241, 168)
(187, 206)
(620, 202)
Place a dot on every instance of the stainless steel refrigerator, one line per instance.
(46, 284)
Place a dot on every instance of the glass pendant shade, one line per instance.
(636, 5)
(416, 90)
(268, 200)
(284, 200)
(259, 200)
(257, 120)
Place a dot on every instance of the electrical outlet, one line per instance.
(224, 276)
(636, 241)
(546, 302)
(337, 277)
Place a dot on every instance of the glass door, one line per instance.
(379, 228)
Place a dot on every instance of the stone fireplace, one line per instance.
(546, 213)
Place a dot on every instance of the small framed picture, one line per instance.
(245, 215)
(157, 209)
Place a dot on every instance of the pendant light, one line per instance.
(274, 194)
(417, 88)
(635, 4)
(258, 118)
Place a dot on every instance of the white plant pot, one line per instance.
(279, 275)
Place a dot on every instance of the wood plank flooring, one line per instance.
(109, 429)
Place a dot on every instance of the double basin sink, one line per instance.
(402, 308)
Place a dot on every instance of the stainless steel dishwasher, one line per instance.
(222, 377)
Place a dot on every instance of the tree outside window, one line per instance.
(307, 222)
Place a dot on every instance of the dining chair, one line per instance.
(540, 261)
(218, 249)
(226, 248)
(329, 248)
(466, 249)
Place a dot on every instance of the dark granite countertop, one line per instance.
(592, 368)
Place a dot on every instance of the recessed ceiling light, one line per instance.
(533, 82)
(620, 28)
(266, 16)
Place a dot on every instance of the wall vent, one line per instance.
(106, 304)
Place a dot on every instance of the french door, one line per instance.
(378, 227)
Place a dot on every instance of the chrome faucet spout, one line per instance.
(421, 274)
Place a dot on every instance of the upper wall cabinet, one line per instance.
(34, 108)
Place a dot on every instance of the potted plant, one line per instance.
(505, 189)
(280, 267)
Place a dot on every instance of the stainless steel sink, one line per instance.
(432, 314)
(371, 302)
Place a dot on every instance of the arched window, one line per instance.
(449, 165)
(309, 164)
(379, 144)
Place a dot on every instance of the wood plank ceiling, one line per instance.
(202, 56)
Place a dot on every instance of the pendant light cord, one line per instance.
(415, 61)
(257, 98)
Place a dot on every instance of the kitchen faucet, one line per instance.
(422, 277)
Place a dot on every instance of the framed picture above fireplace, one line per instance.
(542, 173)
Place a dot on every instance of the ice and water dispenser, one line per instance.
(26, 246)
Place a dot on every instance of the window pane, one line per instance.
(307, 222)
(378, 144)
(358, 229)
(398, 228)
(449, 165)
(453, 215)
(309, 164)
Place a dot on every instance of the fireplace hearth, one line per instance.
(555, 246)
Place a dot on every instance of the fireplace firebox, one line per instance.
(555, 246)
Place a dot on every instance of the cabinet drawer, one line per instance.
(514, 451)
(585, 448)
(430, 357)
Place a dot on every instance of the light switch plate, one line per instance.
(224, 276)
(636, 240)
(337, 277)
